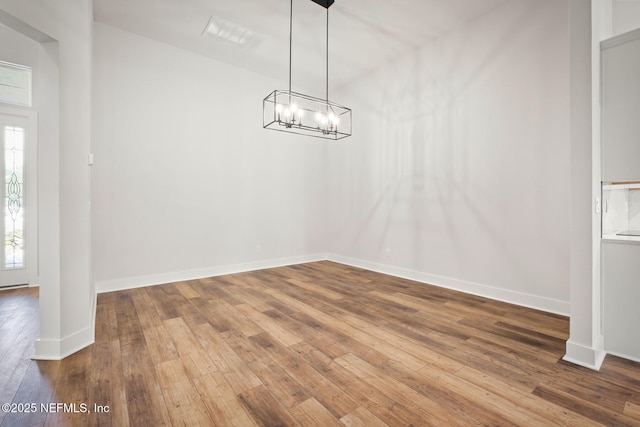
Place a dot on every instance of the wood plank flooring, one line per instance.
(319, 344)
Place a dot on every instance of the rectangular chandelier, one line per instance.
(293, 112)
(288, 111)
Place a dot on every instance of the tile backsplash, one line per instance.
(620, 208)
(634, 209)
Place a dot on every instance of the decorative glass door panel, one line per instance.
(17, 131)
(14, 137)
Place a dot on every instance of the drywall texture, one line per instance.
(458, 170)
(626, 16)
(185, 178)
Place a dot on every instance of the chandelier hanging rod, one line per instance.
(290, 41)
(327, 57)
(326, 49)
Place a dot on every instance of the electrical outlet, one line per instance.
(258, 249)
(388, 252)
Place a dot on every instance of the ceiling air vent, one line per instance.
(229, 31)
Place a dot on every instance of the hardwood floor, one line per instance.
(318, 344)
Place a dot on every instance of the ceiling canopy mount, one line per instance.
(324, 3)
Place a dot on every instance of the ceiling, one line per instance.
(363, 34)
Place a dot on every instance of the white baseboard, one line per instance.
(53, 349)
(505, 295)
(179, 276)
(624, 356)
(527, 300)
(589, 357)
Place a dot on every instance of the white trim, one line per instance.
(178, 276)
(59, 349)
(512, 297)
(589, 357)
(486, 291)
(620, 39)
(17, 95)
(24, 28)
(47, 350)
(624, 356)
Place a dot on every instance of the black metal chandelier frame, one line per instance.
(289, 111)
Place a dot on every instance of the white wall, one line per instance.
(459, 163)
(621, 293)
(66, 294)
(186, 182)
(18, 48)
(626, 16)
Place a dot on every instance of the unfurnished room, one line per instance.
(320, 212)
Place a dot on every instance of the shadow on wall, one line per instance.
(455, 136)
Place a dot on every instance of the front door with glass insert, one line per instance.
(17, 134)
